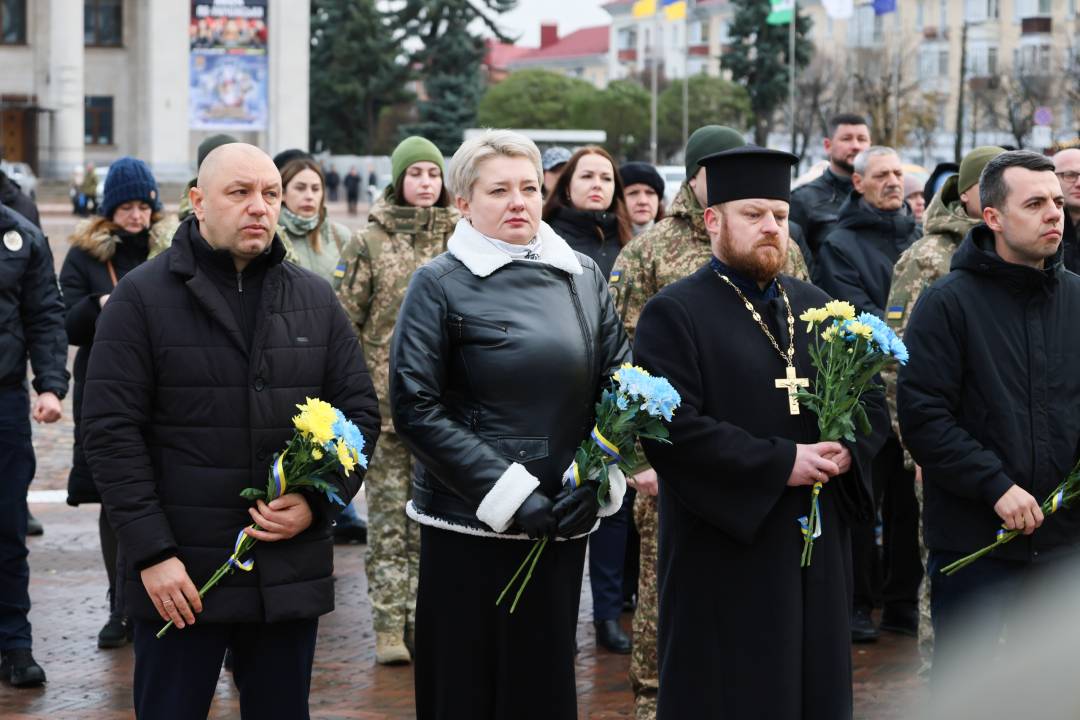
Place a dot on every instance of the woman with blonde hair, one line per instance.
(501, 349)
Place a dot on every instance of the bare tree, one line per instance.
(885, 85)
(924, 116)
(1012, 100)
(823, 89)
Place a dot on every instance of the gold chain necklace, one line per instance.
(791, 382)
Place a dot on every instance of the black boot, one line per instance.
(902, 618)
(114, 634)
(862, 627)
(33, 525)
(350, 530)
(611, 637)
(19, 669)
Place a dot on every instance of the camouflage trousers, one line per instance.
(926, 629)
(393, 550)
(644, 673)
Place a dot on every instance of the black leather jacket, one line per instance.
(495, 369)
(816, 207)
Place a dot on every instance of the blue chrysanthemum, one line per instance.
(347, 431)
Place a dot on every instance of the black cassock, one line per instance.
(744, 631)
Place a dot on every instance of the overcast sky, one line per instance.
(569, 14)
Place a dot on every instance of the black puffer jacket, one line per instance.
(84, 279)
(1070, 241)
(594, 233)
(855, 263)
(31, 311)
(179, 416)
(815, 206)
(13, 196)
(495, 368)
(989, 397)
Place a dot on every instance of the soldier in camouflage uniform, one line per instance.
(673, 249)
(951, 214)
(372, 277)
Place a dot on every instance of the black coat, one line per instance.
(31, 311)
(855, 263)
(85, 278)
(744, 632)
(498, 369)
(179, 416)
(352, 186)
(594, 233)
(13, 196)
(815, 206)
(990, 396)
(1070, 240)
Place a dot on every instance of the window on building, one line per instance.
(12, 22)
(103, 23)
(981, 10)
(991, 60)
(99, 120)
(943, 14)
(943, 62)
(627, 39)
(699, 33)
(920, 14)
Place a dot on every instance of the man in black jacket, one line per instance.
(816, 205)
(200, 358)
(32, 326)
(15, 199)
(1067, 169)
(855, 263)
(988, 403)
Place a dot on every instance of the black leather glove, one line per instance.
(576, 510)
(534, 516)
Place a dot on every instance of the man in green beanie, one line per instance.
(671, 250)
(951, 215)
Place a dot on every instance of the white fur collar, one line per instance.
(482, 258)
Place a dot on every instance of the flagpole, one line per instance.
(652, 81)
(791, 71)
(686, 78)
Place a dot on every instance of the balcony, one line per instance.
(1035, 25)
(628, 55)
(930, 32)
(698, 50)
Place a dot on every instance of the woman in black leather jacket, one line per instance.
(501, 348)
(587, 207)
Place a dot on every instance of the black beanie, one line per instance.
(633, 173)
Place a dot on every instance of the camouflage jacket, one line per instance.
(299, 251)
(945, 224)
(185, 202)
(374, 272)
(671, 250)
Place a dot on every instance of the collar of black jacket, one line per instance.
(856, 213)
(190, 249)
(976, 254)
(589, 220)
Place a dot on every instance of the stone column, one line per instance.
(162, 106)
(63, 89)
(290, 50)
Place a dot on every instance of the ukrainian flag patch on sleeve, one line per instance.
(895, 312)
(615, 276)
(339, 271)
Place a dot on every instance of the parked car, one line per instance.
(23, 175)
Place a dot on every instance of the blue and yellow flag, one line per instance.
(673, 9)
(644, 8)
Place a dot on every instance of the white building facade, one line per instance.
(93, 80)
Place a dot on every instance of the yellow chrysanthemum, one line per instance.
(316, 420)
(860, 329)
(814, 316)
(348, 462)
(317, 453)
(840, 309)
(829, 334)
(628, 366)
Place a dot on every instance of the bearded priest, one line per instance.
(745, 632)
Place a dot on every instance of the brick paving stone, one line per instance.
(68, 588)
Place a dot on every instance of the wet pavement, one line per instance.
(68, 589)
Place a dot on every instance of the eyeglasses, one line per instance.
(1069, 177)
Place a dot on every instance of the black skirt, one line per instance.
(475, 660)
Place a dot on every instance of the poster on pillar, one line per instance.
(229, 68)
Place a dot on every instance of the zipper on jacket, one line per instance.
(243, 315)
(461, 321)
(474, 421)
(584, 325)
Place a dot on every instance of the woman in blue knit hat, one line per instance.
(130, 227)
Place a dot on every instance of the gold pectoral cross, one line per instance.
(792, 385)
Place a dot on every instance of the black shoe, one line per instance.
(611, 637)
(114, 634)
(228, 663)
(902, 620)
(629, 604)
(19, 669)
(350, 532)
(33, 525)
(862, 627)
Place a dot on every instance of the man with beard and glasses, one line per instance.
(772, 636)
(816, 205)
(855, 263)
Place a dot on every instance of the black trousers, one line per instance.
(175, 676)
(895, 580)
(607, 559)
(17, 466)
(477, 661)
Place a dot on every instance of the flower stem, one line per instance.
(521, 567)
(536, 556)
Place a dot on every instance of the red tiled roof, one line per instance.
(499, 55)
(586, 41)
